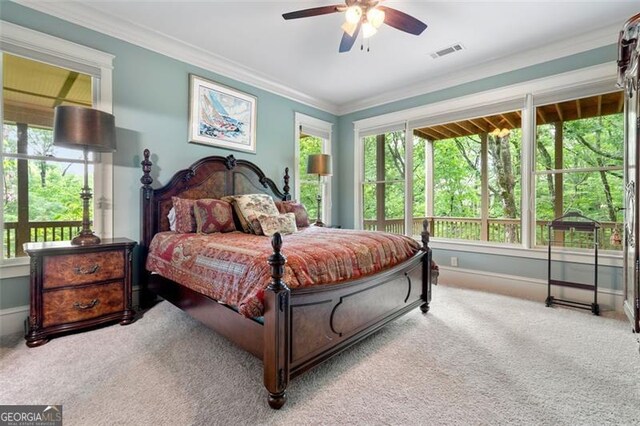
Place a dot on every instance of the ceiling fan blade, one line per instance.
(403, 22)
(347, 41)
(314, 11)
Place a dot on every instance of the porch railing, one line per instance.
(498, 230)
(38, 231)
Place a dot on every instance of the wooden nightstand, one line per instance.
(76, 287)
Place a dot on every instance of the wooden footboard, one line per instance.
(304, 327)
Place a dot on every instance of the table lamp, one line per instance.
(91, 130)
(319, 164)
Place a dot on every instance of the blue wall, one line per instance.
(150, 103)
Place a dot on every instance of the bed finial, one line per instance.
(230, 162)
(146, 178)
(286, 187)
(425, 234)
(277, 261)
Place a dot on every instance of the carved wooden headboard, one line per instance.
(209, 177)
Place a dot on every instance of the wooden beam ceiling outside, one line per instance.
(30, 100)
(593, 106)
(578, 108)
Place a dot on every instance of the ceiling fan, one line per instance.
(367, 15)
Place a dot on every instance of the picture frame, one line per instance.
(221, 116)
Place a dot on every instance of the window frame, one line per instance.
(323, 130)
(561, 96)
(20, 41)
(408, 158)
(526, 96)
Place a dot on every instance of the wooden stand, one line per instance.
(574, 222)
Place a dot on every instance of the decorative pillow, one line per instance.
(185, 217)
(239, 220)
(249, 207)
(298, 209)
(172, 219)
(280, 206)
(213, 216)
(282, 223)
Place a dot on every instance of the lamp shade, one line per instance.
(80, 127)
(319, 164)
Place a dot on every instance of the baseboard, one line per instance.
(12, 319)
(526, 288)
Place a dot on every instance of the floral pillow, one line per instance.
(213, 216)
(282, 223)
(185, 217)
(249, 207)
(300, 212)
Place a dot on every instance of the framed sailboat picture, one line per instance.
(221, 116)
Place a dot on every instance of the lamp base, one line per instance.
(85, 239)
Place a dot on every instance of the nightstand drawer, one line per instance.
(76, 269)
(76, 304)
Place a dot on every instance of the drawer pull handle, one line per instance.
(79, 270)
(82, 307)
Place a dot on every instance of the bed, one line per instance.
(300, 327)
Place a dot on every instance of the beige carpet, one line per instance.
(476, 358)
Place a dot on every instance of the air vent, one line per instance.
(446, 51)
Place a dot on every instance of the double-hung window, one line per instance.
(313, 136)
(383, 179)
(475, 185)
(41, 182)
(579, 165)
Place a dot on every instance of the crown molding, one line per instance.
(592, 40)
(88, 17)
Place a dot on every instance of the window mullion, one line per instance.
(527, 172)
(484, 184)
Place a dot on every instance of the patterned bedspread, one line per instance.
(232, 267)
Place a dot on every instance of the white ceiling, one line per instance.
(250, 41)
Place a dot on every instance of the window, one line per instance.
(383, 184)
(41, 182)
(579, 162)
(496, 167)
(476, 178)
(313, 136)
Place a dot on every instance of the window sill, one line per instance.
(605, 257)
(13, 268)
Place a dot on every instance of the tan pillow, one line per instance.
(249, 207)
(282, 223)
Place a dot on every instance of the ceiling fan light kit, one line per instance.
(353, 14)
(366, 14)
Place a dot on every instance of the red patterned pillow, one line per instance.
(298, 209)
(185, 218)
(213, 216)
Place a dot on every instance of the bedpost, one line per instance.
(146, 233)
(286, 188)
(276, 329)
(426, 267)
